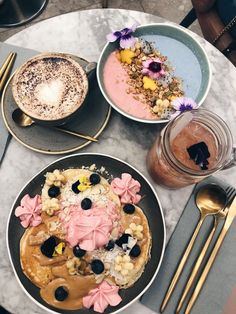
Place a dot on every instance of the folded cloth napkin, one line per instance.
(22, 55)
(216, 295)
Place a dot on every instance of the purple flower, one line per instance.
(153, 68)
(182, 104)
(124, 36)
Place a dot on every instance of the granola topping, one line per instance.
(150, 78)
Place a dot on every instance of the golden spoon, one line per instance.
(210, 200)
(23, 120)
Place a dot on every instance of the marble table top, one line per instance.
(83, 33)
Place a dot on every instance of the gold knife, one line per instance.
(229, 219)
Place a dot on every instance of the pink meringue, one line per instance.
(102, 296)
(127, 188)
(89, 228)
(29, 211)
(90, 232)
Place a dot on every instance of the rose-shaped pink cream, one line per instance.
(102, 296)
(90, 232)
(89, 228)
(29, 211)
(127, 188)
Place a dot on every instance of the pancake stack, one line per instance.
(54, 255)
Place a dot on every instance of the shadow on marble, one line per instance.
(173, 10)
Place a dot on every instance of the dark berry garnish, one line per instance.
(74, 187)
(78, 252)
(123, 239)
(54, 191)
(135, 251)
(199, 153)
(86, 203)
(61, 293)
(97, 266)
(129, 208)
(94, 178)
(110, 245)
(155, 66)
(48, 246)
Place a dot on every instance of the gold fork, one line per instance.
(231, 208)
(230, 191)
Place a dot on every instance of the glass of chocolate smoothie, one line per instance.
(191, 147)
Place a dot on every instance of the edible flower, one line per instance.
(84, 184)
(182, 104)
(148, 83)
(124, 36)
(153, 68)
(199, 153)
(59, 249)
(127, 188)
(29, 211)
(126, 56)
(102, 296)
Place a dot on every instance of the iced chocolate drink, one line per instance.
(190, 148)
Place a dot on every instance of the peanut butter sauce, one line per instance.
(77, 287)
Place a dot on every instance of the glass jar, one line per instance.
(168, 160)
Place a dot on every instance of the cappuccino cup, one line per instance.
(50, 88)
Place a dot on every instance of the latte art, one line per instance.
(50, 87)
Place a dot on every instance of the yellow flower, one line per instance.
(84, 184)
(148, 83)
(126, 56)
(59, 249)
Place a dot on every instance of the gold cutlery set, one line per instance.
(211, 200)
(19, 116)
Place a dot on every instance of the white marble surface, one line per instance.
(83, 33)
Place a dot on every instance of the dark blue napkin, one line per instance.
(221, 281)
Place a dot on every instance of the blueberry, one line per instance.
(129, 208)
(123, 239)
(110, 245)
(54, 191)
(135, 251)
(74, 187)
(48, 246)
(94, 178)
(97, 266)
(61, 293)
(78, 252)
(86, 203)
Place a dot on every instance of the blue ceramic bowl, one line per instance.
(184, 53)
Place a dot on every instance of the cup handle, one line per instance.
(90, 67)
(232, 162)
